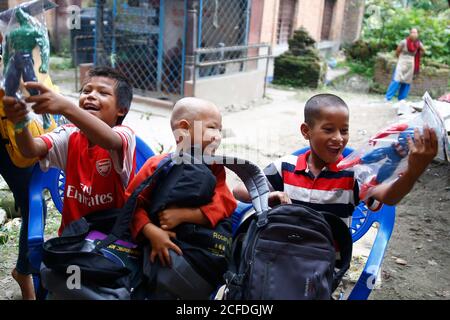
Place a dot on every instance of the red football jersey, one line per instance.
(96, 178)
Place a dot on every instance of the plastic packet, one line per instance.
(26, 51)
(385, 155)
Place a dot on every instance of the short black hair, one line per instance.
(317, 103)
(123, 89)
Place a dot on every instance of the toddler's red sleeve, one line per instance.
(223, 202)
(140, 218)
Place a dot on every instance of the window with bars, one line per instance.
(223, 24)
(145, 41)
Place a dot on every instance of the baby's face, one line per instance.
(329, 134)
(210, 134)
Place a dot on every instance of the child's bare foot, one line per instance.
(25, 282)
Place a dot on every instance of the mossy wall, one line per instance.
(433, 77)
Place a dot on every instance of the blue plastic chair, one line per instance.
(362, 221)
(53, 180)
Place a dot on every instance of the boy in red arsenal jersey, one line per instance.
(313, 179)
(96, 152)
(197, 122)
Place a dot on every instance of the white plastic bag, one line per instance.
(385, 155)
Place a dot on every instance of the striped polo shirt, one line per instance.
(332, 190)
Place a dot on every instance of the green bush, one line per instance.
(361, 55)
(301, 43)
(301, 66)
(297, 71)
(362, 50)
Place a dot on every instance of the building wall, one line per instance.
(230, 89)
(309, 16)
(269, 21)
(346, 22)
(338, 18)
(256, 17)
(353, 17)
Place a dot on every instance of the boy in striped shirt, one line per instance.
(313, 179)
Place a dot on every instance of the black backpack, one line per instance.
(289, 252)
(99, 245)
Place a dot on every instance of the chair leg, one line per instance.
(41, 292)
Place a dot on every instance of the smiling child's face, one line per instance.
(328, 135)
(98, 97)
(210, 135)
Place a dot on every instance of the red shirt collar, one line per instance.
(302, 163)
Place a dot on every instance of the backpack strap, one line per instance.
(122, 224)
(254, 179)
(252, 176)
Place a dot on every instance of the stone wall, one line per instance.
(432, 78)
(227, 90)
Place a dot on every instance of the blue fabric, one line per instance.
(404, 90)
(392, 90)
(20, 66)
(400, 87)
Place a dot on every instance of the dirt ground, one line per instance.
(421, 237)
(269, 129)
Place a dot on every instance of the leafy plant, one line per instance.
(386, 23)
(301, 66)
(429, 5)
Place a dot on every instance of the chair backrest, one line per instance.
(143, 152)
(54, 179)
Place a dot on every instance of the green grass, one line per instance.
(9, 238)
(60, 63)
(52, 222)
(364, 69)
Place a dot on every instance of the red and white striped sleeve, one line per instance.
(124, 160)
(57, 143)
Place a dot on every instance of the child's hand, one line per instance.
(278, 197)
(47, 101)
(422, 150)
(161, 243)
(171, 217)
(15, 110)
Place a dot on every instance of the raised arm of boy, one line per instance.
(97, 131)
(421, 152)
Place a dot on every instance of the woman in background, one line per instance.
(408, 52)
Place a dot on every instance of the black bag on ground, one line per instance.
(287, 252)
(99, 247)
